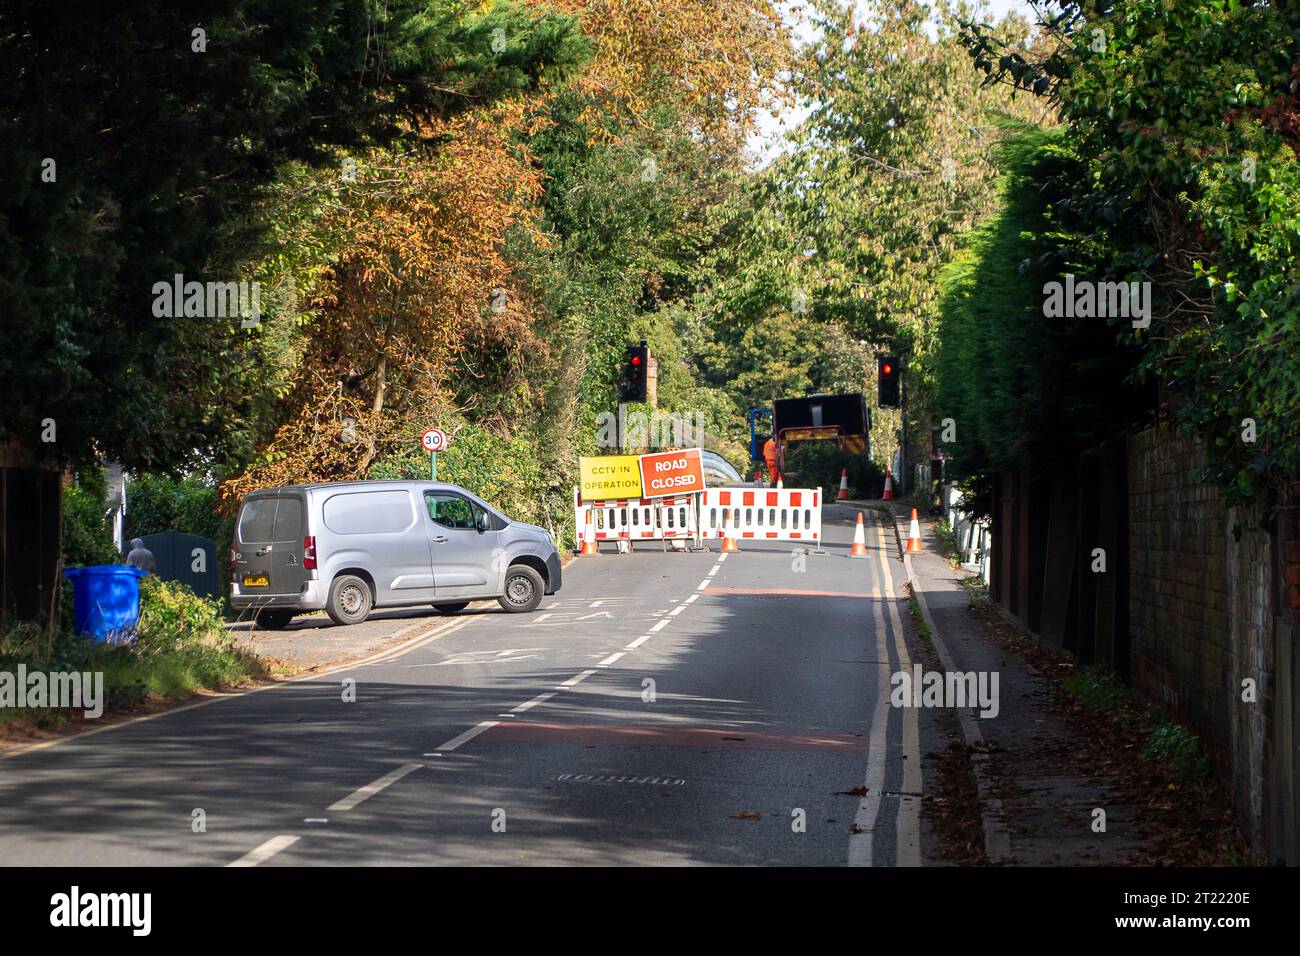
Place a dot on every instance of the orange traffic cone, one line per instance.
(889, 486)
(728, 542)
(859, 549)
(589, 546)
(914, 535)
(844, 485)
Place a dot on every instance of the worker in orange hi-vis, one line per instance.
(770, 457)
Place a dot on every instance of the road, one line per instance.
(662, 709)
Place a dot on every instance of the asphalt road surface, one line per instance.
(663, 708)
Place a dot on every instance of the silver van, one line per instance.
(350, 547)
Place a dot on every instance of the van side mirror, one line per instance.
(483, 522)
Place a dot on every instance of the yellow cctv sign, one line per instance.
(608, 477)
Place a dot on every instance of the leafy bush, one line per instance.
(1177, 746)
(818, 464)
(1096, 688)
(157, 503)
(87, 537)
(180, 647)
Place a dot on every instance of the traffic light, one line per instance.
(888, 382)
(632, 388)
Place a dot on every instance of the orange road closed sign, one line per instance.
(672, 473)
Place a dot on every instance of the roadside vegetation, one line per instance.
(180, 648)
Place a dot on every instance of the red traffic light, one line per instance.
(886, 369)
(636, 360)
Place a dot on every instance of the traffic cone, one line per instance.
(914, 535)
(859, 549)
(728, 542)
(589, 546)
(844, 485)
(889, 486)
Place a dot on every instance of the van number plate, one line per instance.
(256, 580)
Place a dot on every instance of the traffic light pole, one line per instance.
(621, 425)
(902, 436)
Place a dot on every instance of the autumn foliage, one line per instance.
(423, 237)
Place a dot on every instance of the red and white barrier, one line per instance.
(777, 514)
(635, 519)
(771, 514)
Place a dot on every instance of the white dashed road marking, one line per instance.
(369, 790)
(264, 852)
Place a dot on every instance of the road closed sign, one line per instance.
(609, 477)
(672, 473)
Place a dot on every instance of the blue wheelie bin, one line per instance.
(107, 598)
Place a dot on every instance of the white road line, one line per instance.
(316, 820)
(264, 852)
(713, 570)
(611, 659)
(359, 797)
(660, 626)
(577, 679)
(721, 558)
(692, 599)
(468, 735)
(861, 842)
(703, 584)
(677, 610)
(505, 715)
(638, 642)
(908, 852)
(530, 704)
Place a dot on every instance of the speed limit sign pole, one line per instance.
(433, 441)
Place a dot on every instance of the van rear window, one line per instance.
(257, 520)
(288, 520)
(368, 512)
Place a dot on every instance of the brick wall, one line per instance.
(1202, 601)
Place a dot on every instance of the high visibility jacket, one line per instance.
(769, 452)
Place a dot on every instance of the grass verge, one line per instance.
(180, 649)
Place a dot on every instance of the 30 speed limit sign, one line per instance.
(435, 439)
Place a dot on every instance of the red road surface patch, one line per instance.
(616, 735)
(785, 592)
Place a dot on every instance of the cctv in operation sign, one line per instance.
(672, 473)
(609, 477)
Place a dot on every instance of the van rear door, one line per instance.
(269, 537)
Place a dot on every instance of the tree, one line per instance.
(138, 138)
(1188, 115)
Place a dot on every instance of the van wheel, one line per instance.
(349, 601)
(273, 620)
(524, 589)
(455, 608)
